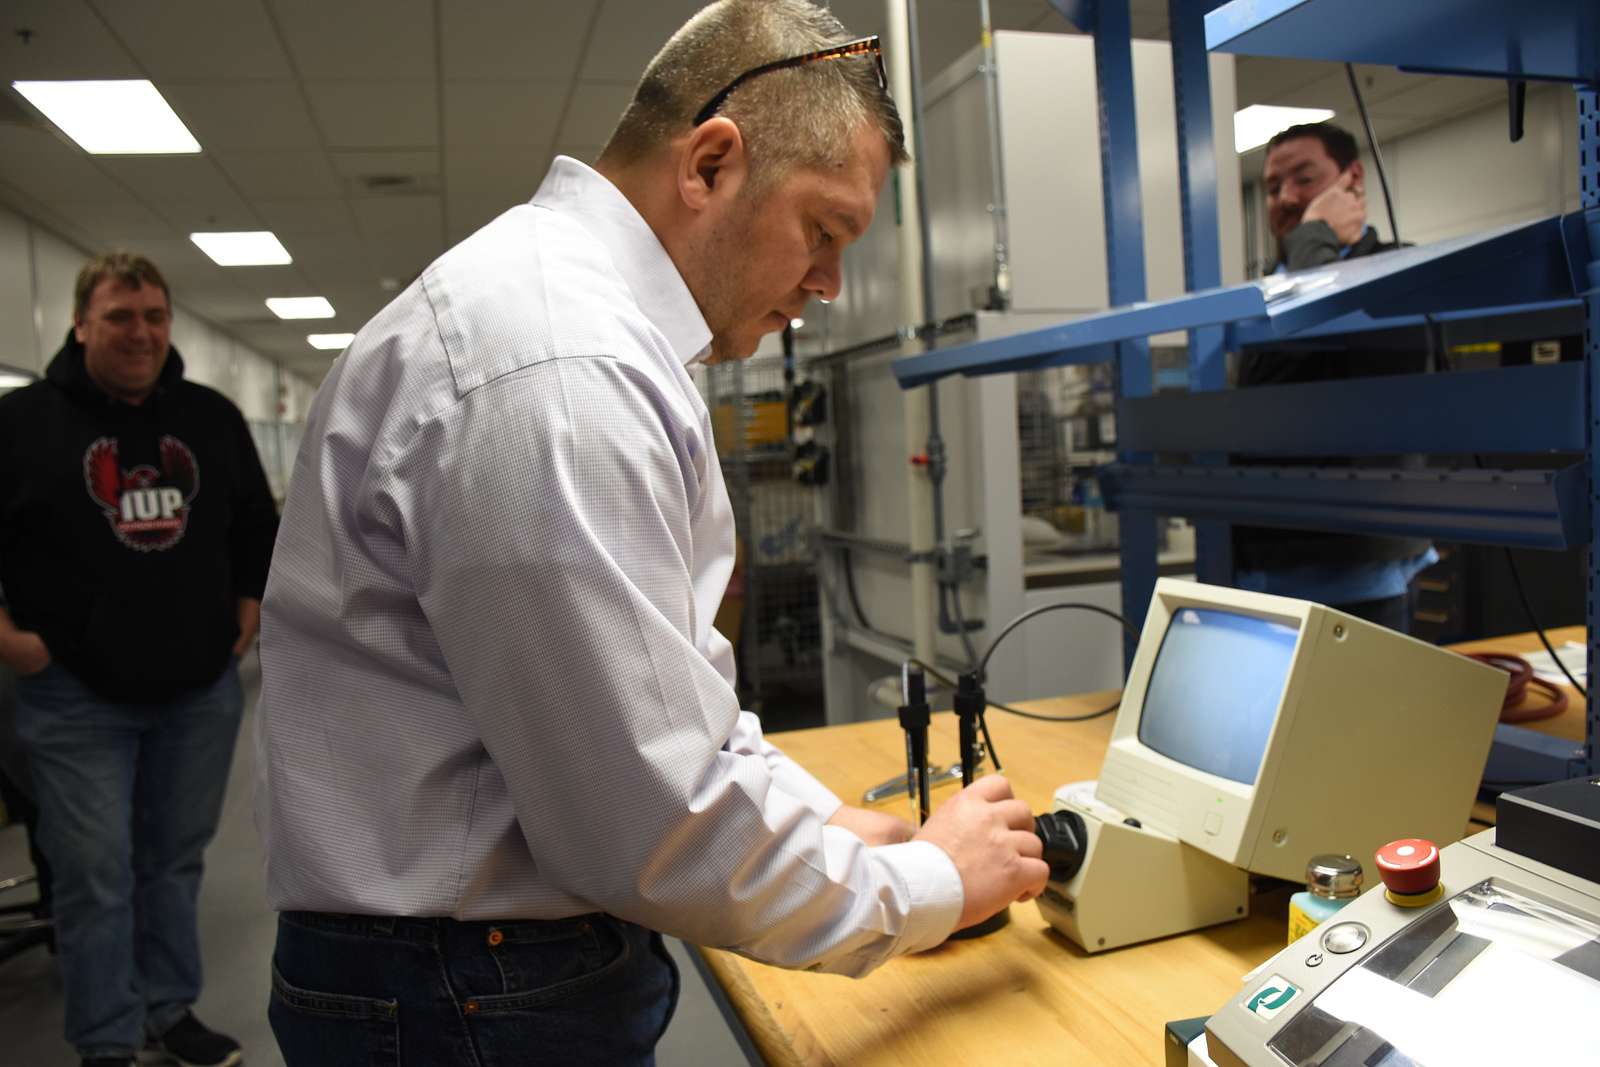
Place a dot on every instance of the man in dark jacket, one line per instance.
(1316, 208)
(136, 528)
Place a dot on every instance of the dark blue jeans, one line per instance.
(128, 796)
(381, 992)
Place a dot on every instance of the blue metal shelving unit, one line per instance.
(1546, 265)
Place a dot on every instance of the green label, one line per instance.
(1272, 997)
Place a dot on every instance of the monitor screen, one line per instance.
(1215, 689)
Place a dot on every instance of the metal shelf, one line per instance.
(1519, 508)
(1523, 410)
(1530, 264)
(1533, 40)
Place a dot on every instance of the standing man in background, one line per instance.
(500, 743)
(1317, 210)
(136, 528)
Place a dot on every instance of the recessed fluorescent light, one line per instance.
(330, 341)
(128, 118)
(13, 381)
(300, 307)
(248, 248)
(1255, 125)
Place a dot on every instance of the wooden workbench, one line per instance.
(1024, 995)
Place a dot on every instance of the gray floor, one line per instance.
(236, 932)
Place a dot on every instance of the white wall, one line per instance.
(37, 274)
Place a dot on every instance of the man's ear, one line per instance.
(1358, 173)
(712, 163)
(77, 329)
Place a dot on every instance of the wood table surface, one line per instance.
(1026, 994)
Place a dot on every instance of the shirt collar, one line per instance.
(572, 188)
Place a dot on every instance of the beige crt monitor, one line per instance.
(1256, 732)
(1291, 729)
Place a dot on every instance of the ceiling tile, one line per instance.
(532, 39)
(118, 222)
(386, 216)
(359, 164)
(67, 40)
(47, 167)
(254, 115)
(594, 111)
(198, 39)
(628, 35)
(330, 218)
(358, 38)
(511, 174)
(281, 175)
(170, 177)
(510, 113)
(376, 114)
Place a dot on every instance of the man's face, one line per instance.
(1295, 173)
(125, 333)
(771, 252)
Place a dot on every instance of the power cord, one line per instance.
(1377, 157)
(1527, 607)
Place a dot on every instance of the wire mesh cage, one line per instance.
(771, 610)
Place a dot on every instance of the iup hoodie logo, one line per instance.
(148, 509)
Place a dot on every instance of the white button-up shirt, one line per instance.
(491, 687)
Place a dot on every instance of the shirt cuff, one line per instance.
(932, 886)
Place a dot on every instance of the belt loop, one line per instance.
(383, 924)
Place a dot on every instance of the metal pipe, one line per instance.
(913, 294)
(1000, 297)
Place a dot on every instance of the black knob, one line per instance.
(1066, 841)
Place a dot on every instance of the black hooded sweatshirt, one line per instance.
(128, 532)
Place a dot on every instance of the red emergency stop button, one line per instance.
(1409, 867)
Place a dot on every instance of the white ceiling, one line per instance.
(305, 108)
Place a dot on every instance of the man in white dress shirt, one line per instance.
(500, 747)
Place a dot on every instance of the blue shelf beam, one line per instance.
(1526, 264)
(1526, 410)
(1520, 508)
(1520, 755)
(1517, 321)
(1529, 40)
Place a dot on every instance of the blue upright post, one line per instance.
(1202, 252)
(1589, 186)
(1119, 173)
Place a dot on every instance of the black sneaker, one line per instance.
(108, 1061)
(189, 1044)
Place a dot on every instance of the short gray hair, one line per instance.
(796, 117)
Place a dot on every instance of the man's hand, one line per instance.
(873, 827)
(24, 652)
(249, 623)
(1343, 206)
(989, 836)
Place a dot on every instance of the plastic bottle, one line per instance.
(1331, 882)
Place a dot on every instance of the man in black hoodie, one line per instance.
(135, 531)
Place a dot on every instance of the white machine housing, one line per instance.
(1137, 883)
(1376, 736)
(1482, 985)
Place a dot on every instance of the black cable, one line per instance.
(1377, 157)
(850, 587)
(949, 683)
(983, 664)
(961, 624)
(1527, 607)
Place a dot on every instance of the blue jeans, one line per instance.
(382, 991)
(129, 796)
